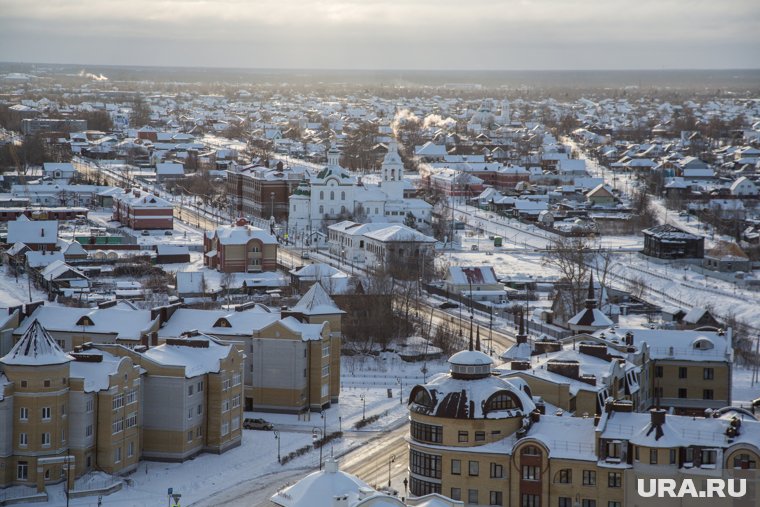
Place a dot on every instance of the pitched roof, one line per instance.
(316, 301)
(35, 348)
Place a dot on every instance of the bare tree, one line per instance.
(570, 256)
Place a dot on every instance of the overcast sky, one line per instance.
(390, 34)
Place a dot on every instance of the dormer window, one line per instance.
(422, 397)
(703, 344)
(500, 401)
(222, 322)
(85, 321)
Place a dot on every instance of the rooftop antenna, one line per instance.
(477, 340)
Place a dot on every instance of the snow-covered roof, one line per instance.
(125, 324)
(470, 358)
(39, 258)
(320, 489)
(316, 301)
(35, 348)
(682, 345)
(196, 360)
(30, 232)
(95, 374)
(475, 275)
(241, 234)
(461, 398)
(399, 232)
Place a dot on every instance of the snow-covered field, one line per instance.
(200, 478)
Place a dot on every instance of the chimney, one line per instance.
(629, 339)
(519, 365)
(42, 232)
(544, 346)
(535, 416)
(622, 406)
(569, 369)
(521, 337)
(595, 350)
(657, 416)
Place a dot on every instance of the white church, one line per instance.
(335, 194)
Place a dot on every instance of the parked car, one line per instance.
(447, 305)
(257, 424)
(305, 255)
(145, 233)
(168, 233)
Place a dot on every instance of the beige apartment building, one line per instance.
(484, 440)
(292, 357)
(105, 407)
(240, 248)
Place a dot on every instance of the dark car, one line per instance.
(447, 305)
(257, 424)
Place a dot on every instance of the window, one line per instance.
(63, 435)
(587, 502)
(117, 455)
(235, 423)
(652, 456)
(613, 449)
(90, 405)
(707, 394)
(200, 386)
(530, 473)
(326, 349)
(530, 501)
(200, 409)
(189, 436)
(190, 390)
(456, 494)
(225, 405)
(564, 501)
(636, 453)
(658, 372)
(472, 496)
(497, 471)
(132, 420)
(198, 432)
(474, 468)
(745, 462)
(708, 373)
(46, 383)
(464, 436)
(332, 195)
(321, 209)
(225, 428)
(117, 402)
(708, 456)
(428, 465)
(565, 476)
(613, 503)
(689, 455)
(130, 449)
(236, 379)
(326, 370)
(480, 436)
(117, 426)
(321, 196)
(501, 401)
(22, 471)
(427, 432)
(23, 439)
(531, 451)
(589, 478)
(190, 413)
(614, 480)
(682, 372)
(494, 498)
(88, 430)
(419, 487)
(456, 467)
(23, 414)
(235, 402)
(672, 456)
(682, 393)
(342, 196)
(46, 413)
(45, 439)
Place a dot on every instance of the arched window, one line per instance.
(321, 195)
(501, 401)
(321, 209)
(332, 195)
(393, 175)
(530, 450)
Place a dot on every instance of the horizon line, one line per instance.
(339, 69)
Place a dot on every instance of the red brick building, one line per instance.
(143, 210)
(240, 248)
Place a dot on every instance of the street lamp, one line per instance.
(314, 432)
(271, 195)
(401, 390)
(277, 437)
(364, 405)
(391, 460)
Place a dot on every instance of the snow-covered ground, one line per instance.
(200, 478)
(14, 292)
